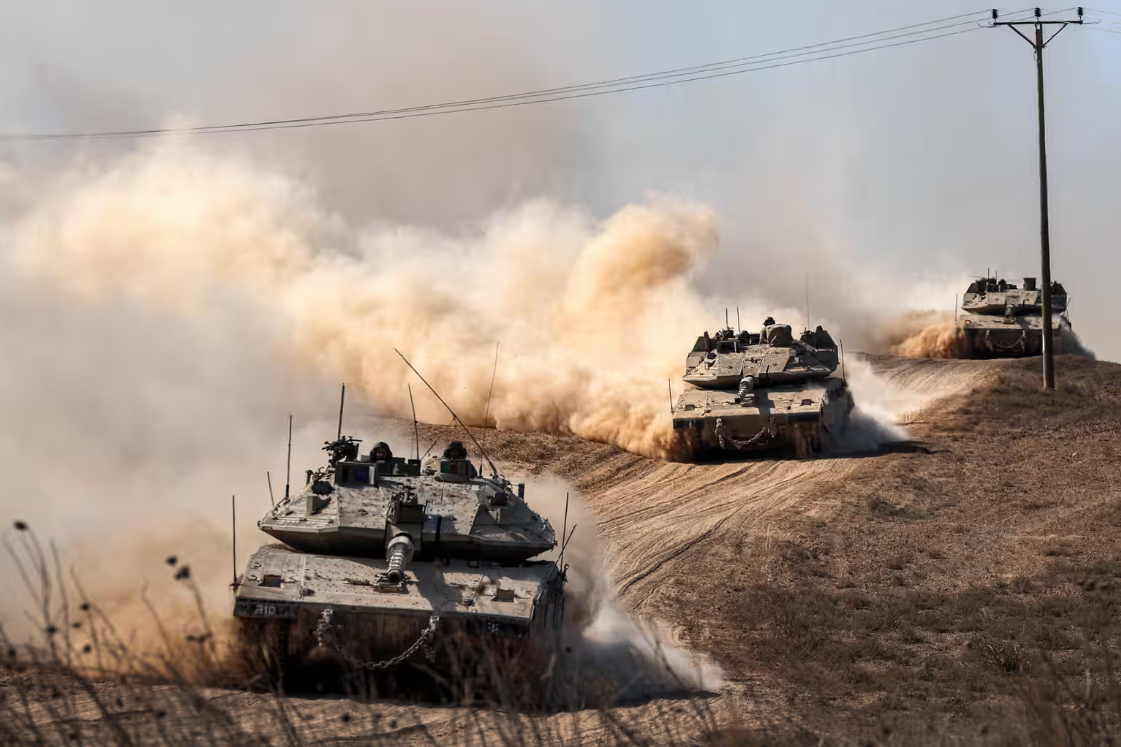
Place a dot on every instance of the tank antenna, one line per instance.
(807, 298)
(416, 429)
(564, 531)
(843, 377)
(271, 499)
(233, 526)
(342, 401)
(570, 536)
(288, 472)
(739, 327)
(725, 317)
(669, 385)
(486, 415)
(493, 469)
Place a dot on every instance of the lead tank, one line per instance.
(1003, 321)
(388, 563)
(758, 391)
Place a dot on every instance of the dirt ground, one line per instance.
(927, 589)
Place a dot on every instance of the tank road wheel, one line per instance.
(809, 440)
(803, 447)
(688, 445)
(264, 647)
(822, 438)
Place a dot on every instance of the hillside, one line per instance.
(931, 589)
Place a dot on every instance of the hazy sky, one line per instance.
(906, 166)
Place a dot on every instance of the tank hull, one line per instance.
(799, 417)
(1022, 336)
(298, 611)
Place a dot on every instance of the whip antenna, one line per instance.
(342, 401)
(288, 469)
(493, 469)
(416, 429)
(233, 534)
(486, 415)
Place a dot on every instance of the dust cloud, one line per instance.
(583, 310)
(632, 656)
(164, 314)
(592, 317)
(924, 334)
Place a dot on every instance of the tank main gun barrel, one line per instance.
(399, 552)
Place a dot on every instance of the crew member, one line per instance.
(763, 334)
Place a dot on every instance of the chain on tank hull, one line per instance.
(333, 616)
(378, 648)
(799, 418)
(994, 339)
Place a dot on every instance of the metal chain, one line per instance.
(325, 635)
(762, 436)
(1019, 346)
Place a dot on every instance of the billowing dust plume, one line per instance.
(612, 650)
(163, 314)
(591, 318)
(924, 334)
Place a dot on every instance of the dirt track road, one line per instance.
(664, 522)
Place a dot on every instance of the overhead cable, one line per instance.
(755, 63)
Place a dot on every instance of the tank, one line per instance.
(1003, 321)
(751, 392)
(388, 563)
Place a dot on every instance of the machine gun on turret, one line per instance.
(344, 449)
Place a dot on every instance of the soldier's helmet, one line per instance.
(381, 452)
(768, 321)
(455, 450)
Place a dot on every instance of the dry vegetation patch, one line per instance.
(949, 588)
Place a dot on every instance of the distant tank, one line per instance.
(387, 563)
(760, 391)
(1003, 321)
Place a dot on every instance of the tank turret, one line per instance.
(759, 390)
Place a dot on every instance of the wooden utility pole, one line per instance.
(1039, 44)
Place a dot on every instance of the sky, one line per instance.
(915, 164)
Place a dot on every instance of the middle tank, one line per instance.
(758, 391)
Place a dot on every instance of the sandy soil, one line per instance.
(1007, 495)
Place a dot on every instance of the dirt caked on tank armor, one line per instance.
(757, 391)
(1003, 321)
(387, 561)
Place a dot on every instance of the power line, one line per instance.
(1106, 12)
(709, 71)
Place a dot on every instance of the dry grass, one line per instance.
(80, 683)
(973, 588)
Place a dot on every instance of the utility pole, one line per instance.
(1039, 44)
